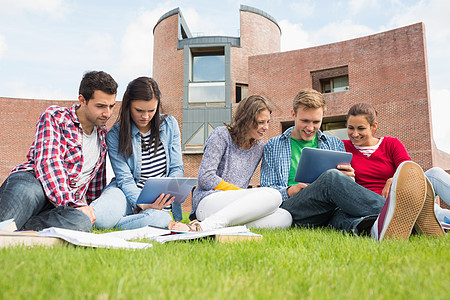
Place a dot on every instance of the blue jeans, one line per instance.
(335, 199)
(22, 198)
(440, 180)
(113, 210)
(177, 211)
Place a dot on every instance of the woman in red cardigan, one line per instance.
(375, 160)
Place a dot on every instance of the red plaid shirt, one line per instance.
(56, 158)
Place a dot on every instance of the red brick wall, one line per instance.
(168, 66)
(388, 69)
(259, 35)
(18, 119)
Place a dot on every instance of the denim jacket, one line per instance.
(127, 171)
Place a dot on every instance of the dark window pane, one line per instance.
(340, 84)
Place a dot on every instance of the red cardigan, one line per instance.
(373, 172)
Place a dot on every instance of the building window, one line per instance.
(196, 142)
(207, 78)
(334, 85)
(241, 92)
(208, 67)
(285, 125)
(330, 80)
(206, 92)
(335, 126)
(210, 130)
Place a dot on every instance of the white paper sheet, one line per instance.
(139, 233)
(8, 225)
(200, 234)
(91, 239)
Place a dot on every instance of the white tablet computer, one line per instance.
(313, 162)
(180, 187)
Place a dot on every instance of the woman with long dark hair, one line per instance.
(143, 143)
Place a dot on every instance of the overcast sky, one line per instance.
(46, 45)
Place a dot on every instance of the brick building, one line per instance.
(388, 69)
(199, 98)
(203, 78)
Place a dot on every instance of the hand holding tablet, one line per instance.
(161, 202)
(178, 187)
(313, 162)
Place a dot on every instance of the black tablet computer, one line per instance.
(313, 162)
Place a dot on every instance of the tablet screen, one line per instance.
(313, 162)
(180, 187)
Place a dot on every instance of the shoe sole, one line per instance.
(410, 188)
(427, 223)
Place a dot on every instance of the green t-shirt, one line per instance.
(296, 150)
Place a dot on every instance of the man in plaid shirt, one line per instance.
(65, 168)
(334, 198)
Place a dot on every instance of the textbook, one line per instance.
(26, 238)
(180, 187)
(89, 239)
(120, 239)
(59, 236)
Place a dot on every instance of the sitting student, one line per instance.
(143, 143)
(65, 170)
(231, 155)
(376, 159)
(440, 180)
(334, 198)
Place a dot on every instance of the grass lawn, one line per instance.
(286, 264)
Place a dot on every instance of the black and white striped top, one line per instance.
(152, 165)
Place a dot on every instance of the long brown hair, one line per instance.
(142, 88)
(245, 115)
